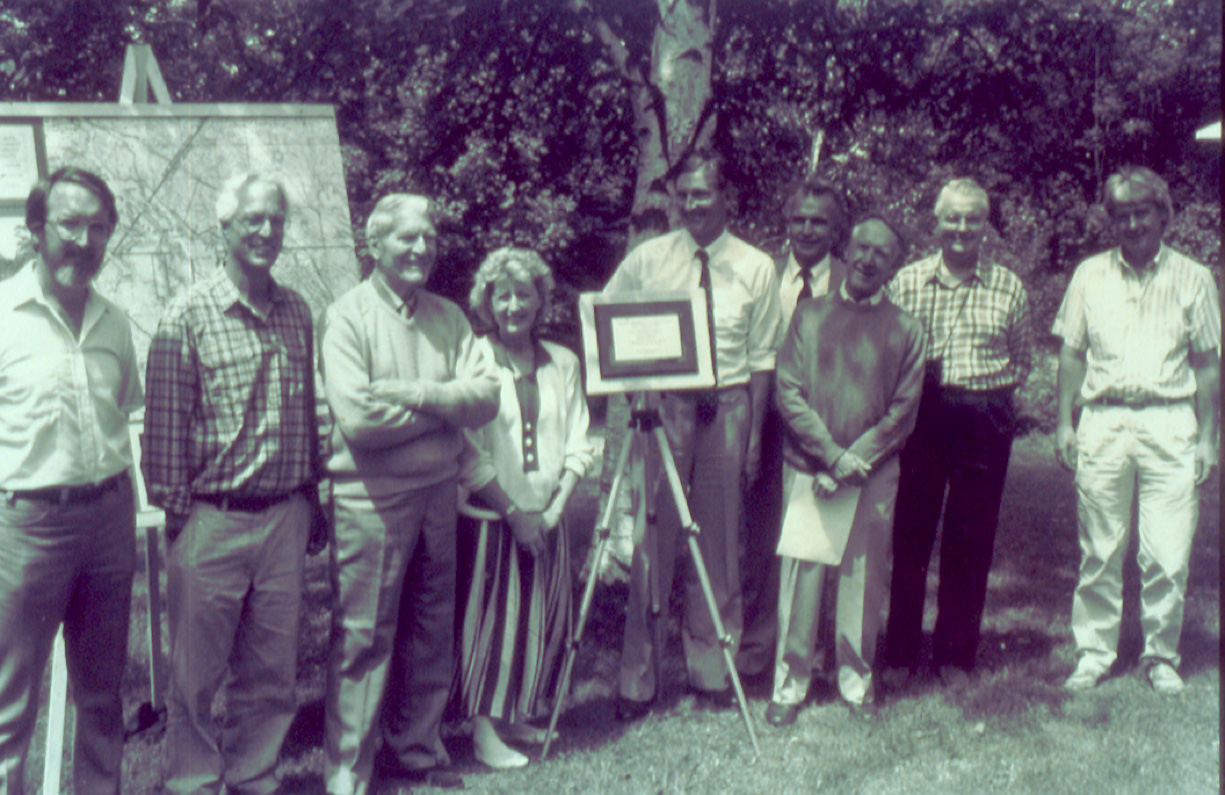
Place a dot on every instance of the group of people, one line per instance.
(452, 457)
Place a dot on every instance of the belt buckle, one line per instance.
(63, 495)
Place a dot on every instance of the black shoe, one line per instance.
(865, 712)
(629, 710)
(392, 770)
(781, 714)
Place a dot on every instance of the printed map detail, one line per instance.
(166, 174)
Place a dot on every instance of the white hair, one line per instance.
(384, 213)
(964, 188)
(230, 198)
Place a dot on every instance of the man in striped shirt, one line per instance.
(230, 451)
(975, 315)
(1141, 327)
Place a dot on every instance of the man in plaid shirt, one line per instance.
(979, 351)
(231, 454)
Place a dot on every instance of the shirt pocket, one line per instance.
(229, 379)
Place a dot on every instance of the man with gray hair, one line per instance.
(975, 316)
(231, 453)
(1141, 328)
(403, 374)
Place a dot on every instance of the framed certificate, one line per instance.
(22, 159)
(646, 341)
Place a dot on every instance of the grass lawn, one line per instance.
(1010, 726)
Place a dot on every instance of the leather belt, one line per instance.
(247, 503)
(70, 495)
(1138, 404)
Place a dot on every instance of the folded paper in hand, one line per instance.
(815, 530)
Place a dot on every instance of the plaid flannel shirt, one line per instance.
(230, 402)
(980, 328)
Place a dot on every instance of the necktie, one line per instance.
(708, 400)
(805, 286)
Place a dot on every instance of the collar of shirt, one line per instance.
(1130, 271)
(25, 289)
(946, 278)
(871, 300)
(793, 273)
(502, 358)
(392, 298)
(714, 249)
(226, 293)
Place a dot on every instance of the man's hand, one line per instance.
(1205, 460)
(175, 522)
(824, 485)
(850, 469)
(398, 393)
(528, 528)
(752, 463)
(320, 526)
(1065, 447)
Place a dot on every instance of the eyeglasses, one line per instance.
(256, 222)
(77, 229)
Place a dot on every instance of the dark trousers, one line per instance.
(759, 565)
(961, 443)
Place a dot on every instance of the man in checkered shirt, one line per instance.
(979, 351)
(230, 452)
(1141, 329)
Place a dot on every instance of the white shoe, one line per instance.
(1165, 679)
(489, 748)
(1088, 673)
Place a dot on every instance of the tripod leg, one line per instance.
(603, 533)
(682, 507)
(650, 503)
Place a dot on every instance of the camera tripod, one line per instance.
(646, 425)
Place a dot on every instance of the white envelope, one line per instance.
(815, 530)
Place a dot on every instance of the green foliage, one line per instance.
(519, 119)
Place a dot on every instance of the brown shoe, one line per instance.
(781, 714)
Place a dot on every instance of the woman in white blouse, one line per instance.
(514, 574)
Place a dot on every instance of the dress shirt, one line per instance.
(978, 326)
(230, 407)
(748, 320)
(1136, 327)
(791, 282)
(64, 402)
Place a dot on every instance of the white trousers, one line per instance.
(1122, 449)
(863, 590)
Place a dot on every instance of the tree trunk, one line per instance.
(672, 109)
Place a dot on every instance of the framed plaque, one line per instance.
(646, 341)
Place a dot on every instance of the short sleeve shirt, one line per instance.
(1137, 327)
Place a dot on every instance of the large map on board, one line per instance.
(166, 172)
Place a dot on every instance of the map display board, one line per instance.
(166, 165)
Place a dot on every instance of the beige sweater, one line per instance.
(392, 448)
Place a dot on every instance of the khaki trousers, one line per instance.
(234, 591)
(1122, 449)
(393, 630)
(710, 460)
(863, 589)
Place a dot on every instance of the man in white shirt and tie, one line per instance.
(715, 435)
